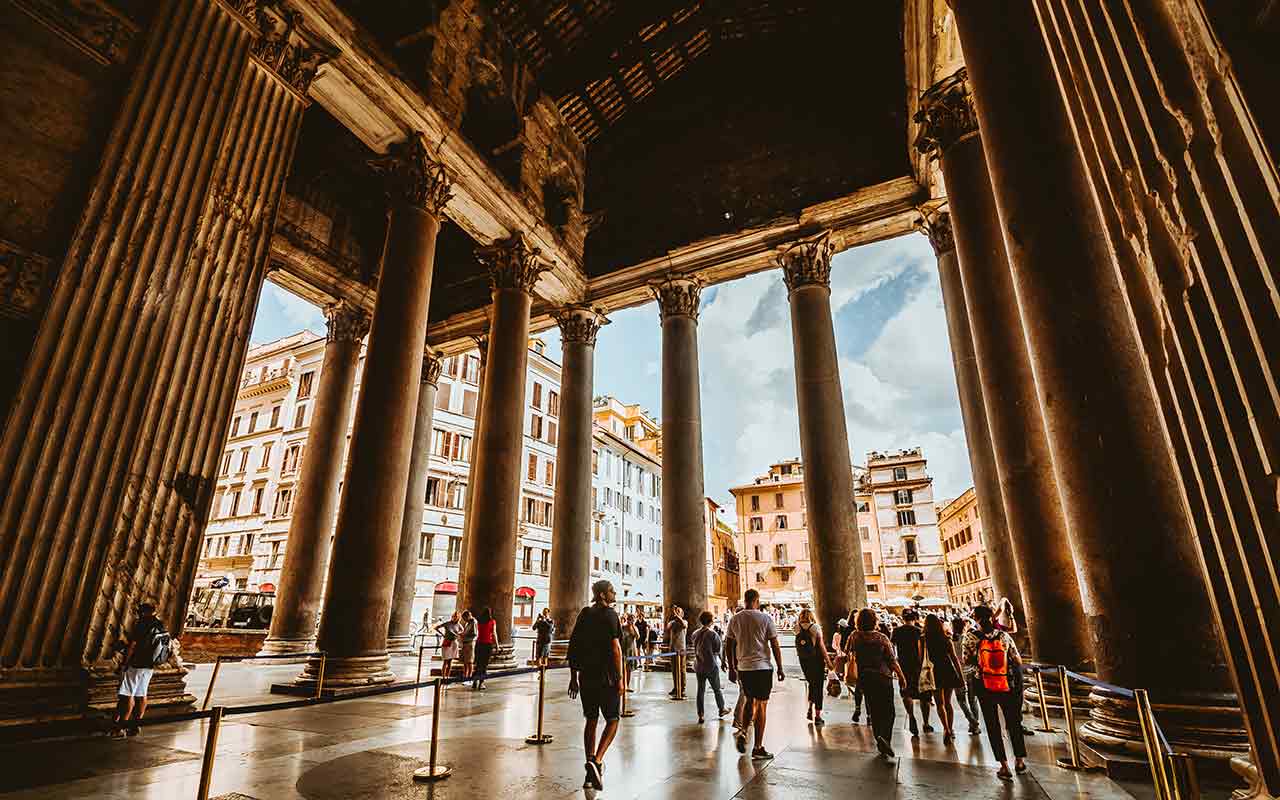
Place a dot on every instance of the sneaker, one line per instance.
(882, 744)
(911, 723)
(132, 731)
(974, 729)
(857, 714)
(809, 714)
(741, 741)
(928, 728)
(1027, 731)
(724, 712)
(1004, 774)
(117, 733)
(760, 754)
(818, 721)
(1020, 767)
(700, 720)
(595, 777)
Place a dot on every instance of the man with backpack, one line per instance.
(992, 662)
(146, 646)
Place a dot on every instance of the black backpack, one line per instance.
(158, 644)
(804, 643)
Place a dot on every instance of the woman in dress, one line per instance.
(486, 641)
(629, 638)
(946, 671)
(449, 631)
(467, 644)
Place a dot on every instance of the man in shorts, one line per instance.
(751, 640)
(595, 675)
(138, 667)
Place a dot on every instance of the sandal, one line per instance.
(1004, 774)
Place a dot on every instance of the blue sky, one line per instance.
(891, 335)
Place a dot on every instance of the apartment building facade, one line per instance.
(911, 547)
(965, 551)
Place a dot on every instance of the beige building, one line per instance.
(774, 540)
(724, 577)
(910, 546)
(965, 551)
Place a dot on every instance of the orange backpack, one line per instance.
(994, 664)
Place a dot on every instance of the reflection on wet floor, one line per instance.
(369, 748)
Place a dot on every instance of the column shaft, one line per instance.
(571, 524)
(839, 584)
(399, 639)
(1001, 561)
(684, 542)
(306, 555)
(366, 545)
(488, 580)
(1125, 517)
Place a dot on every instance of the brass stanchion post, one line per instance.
(208, 692)
(1045, 727)
(210, 749)
(1151, 739)
(1182, 774)
(320, 676)
(626, 711)
(1074, 761)
(540, 737)
(417, 676)
(434, 772)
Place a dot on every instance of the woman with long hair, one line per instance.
(467, 642)
(486, 641)
(946, 671)
(449, 630)
(874, 664)
(814, 661)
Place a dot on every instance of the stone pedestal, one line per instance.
(399, 638)
(684, 541)
(306, 555)
(110, 449)
(487, 579)
(1126, 520)
(366, 545)
(571, 525)
(1027, 489)
(839, 586)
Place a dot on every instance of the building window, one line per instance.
(526, 564)
(533, 467)
(451, 366)
(758, 550)
(284, 503)
(455, 551)
(899, 473)
(304, 385)
(551, 432)
(535, 426)
(457, 495)
(275, 416)
(915, 576)
(872, 588)
(780, 554)
(536, 402)
(868, 567)
(907, 517)
(759, 577)
(253, 422)
(866, 533)
(777, 500)
(469, 400)
(595, 530)
(781, 522)
(595, 462)
(235, 427)
(755, 502)
(553, 403)
(450, 445)
(226, 462)
(244, 459)
(551, 473)
(444, 395)
(757, 523)
(258, 491)
(216, 505)
(595, 563)
(292, 458)
(435, 492)
(913, 556)
(266, 455)
(544, 561)
(426, 546)
(471, 369)
(864, 507)
(300, 417)
(902, 497)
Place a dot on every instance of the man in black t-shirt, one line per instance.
(595, 675)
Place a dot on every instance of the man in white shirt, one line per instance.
(751, 639)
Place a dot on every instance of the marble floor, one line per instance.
(369, 748)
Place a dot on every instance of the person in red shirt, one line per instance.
(486, 641)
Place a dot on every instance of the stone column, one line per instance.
(1027, 488)
(684, 541)
(1001, 560)
(838, 581)
(482, 347)
(366, 544)
(571, 525)
(306, 555)
(399, 639)
(125, 400)
(489, 561)
(1144, 597)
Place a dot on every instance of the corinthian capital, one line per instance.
(807, 262)
(347, 323)
(512, 263)
(946, 114)
(413, 177)
(579, 323)
(677, 295)
(937, 226)
(432, 366)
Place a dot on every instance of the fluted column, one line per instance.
(366, 545)
(1027, 489)
(571, 523)
(399, 639)
(306, 555)
(1144, 597)
(489, 561)
(1001, 562)
(126, 397)
(839, 585)
(684, 541)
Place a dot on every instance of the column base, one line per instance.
(504, 657)
(168, 688)
(346, 672)
(282, 647)
(1255, 789)
(401, 645)
(1207, 725)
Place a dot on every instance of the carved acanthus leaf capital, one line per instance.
(946, 114)
(346, 323)
(807, 262)
(282, 45)
(513, 264)
(677, 295)
(579, 323)
(432, 366)
(937, 226)
(414, 177)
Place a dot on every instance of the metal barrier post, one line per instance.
(417, 676)
(1155, 755)
(626, 689)
(540, 737)
(432, 772)
(320, 675)
(1182, 775)
(208, 693)
(1069, 715)
(1045, 727)
(210, 749)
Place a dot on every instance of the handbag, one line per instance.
(927, 682)
(834, 687)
